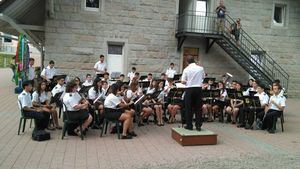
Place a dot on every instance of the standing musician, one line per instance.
(40, 100)
(111, 104)
(130, 75)
(76, 107)
(192, 77)
(100, 67)
(48, 72)
(41, 118)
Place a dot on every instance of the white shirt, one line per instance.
(223, 95)
(100, 66)
(48, 72)
(93, 95)
(130, 75)
(25, 99)
(87, 83)
(263, 98)
(71, 100)
(111, 101)
(193, 75)
(150, 91)
(57, 89)
(247, 92)
(39, 99)
(280, 100)
(170, 72)
(31, 73)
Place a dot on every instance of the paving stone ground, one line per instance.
(153, 148)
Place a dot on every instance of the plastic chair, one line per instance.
(23, 118)
(106, 121)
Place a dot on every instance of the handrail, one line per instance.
(205, 22)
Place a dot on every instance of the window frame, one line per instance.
(284, 12)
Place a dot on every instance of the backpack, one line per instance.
(40, 135)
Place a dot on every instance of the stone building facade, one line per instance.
(145, 29)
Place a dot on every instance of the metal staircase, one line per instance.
(246, 52)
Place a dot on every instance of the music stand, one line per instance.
(177, 77)
(252, 93)
(143, 77)
(84, 89)
(144, 84)
(205, 80)
(56, 98)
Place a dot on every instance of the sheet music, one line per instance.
(180, 85)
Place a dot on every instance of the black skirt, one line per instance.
(80, 115)
(113, 114)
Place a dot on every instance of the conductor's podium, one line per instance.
(193, 137)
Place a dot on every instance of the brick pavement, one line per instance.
(153, 147)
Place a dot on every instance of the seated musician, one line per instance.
(281, 90)
(96, 92)
(176, 103)
(253, 88)
(218, 106)
(60, 87)
(147, 110)
(105, 86)
(207, 106)
(41, 118)
(247, 121)
(106, 77)
(171, 71)
(77, 107)
(250, 82)
(40, 100)
(88, 80)
(131, 74)
(149, 78)
(161, 85)
(49, 71)
(118, 110)
(78, 83)
(121, 78)
(235, 105)
(134, 92)
(152, 88)
(275, 109)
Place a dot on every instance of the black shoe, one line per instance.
(126, 137)
(271, 131)
(240, 125)
(198, 128)
(140, 124)
(188, 128)
(133, 134)
(247, 127)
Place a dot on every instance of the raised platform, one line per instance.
(194, 137)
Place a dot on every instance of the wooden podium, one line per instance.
(194, 137)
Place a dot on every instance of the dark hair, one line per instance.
(122, 75)
(171, 63)
(261, 85)
(31, 59)
(277, 81)
(95, 85)
(51, 62)
(133, 68)
(149, 74)
(162, 74)
(114, 89)
(190, 59)
(25, 83)
(39, 88)
(101, 56)
(70, 85)
(88, 75)
(106, 73)
(137, 73)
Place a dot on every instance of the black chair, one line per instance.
(281, 121)
(67, 122)
(23, 118)
(106, 121)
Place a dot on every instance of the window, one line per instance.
(8, 40)
(279, 15)
(115, 49)
(92, 5)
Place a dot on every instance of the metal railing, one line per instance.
(209, 25)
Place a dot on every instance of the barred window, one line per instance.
(115, 49)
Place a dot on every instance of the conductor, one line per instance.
(192, 77)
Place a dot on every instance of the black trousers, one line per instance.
(269, 118)
(41, 119)
(193, 103)
(246, 114)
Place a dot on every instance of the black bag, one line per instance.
(40, 135)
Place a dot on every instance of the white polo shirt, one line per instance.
(193, 74)
(25, 99)
(263, 98)
(48, 72)
(280, 100)
(93, 95)
(170, 73)
(31, 73)
(57, 89)
(39, 99)
(71, 100)
(130, 75)
(112, 101)
(100, 66)
(87, 83)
